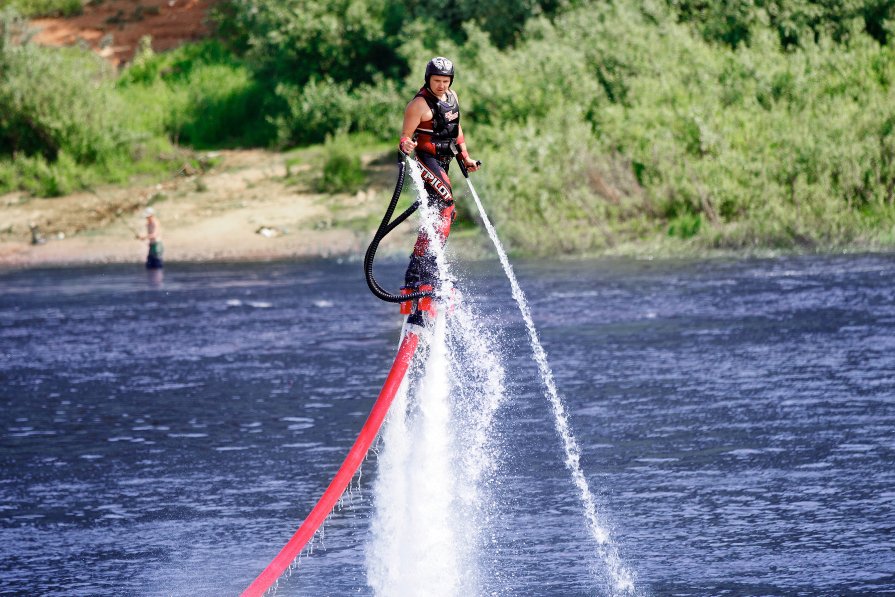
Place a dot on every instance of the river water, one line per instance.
(736, 421)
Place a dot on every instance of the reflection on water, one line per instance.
(735, 419)
(155, 277)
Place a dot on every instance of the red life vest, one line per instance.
(438, 136)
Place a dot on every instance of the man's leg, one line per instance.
(422, 268)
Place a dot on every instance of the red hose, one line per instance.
(332, 494)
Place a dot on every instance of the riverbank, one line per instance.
(256, 205)
(778, 139)
(248, 205)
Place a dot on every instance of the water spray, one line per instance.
(421, 306)
(621, 579)
(423, 311)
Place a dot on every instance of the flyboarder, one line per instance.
(432, 128)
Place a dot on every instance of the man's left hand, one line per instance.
(471, 164)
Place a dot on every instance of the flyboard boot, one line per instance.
(420, 312)
(423, 277)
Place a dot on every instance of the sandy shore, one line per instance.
(244, 208)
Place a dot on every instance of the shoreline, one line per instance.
(251, 206)
(259, 206)
(348, 246)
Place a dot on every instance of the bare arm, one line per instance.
(153, 230)
(413, 116)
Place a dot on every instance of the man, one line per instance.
(432, 128)
(154, 236)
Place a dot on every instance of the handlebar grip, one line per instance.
(463, 167)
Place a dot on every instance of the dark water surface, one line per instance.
(736, 419)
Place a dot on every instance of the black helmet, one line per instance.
(440, 66)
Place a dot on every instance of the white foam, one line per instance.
(429, 506)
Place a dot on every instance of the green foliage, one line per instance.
(743, 123)
(199, 94)
(775, 149)
(320, 108)
(54, 101)
(503, 20)
(299, 41)
(62, 125)
(625, 125)
(44, 8)
(337, 65)
(550, 189)
(40, 177)
(342, 171)
(685, 226)
(358, 41)
(796, 22)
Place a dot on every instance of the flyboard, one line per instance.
(419, 307)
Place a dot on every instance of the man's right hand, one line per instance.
(406, 145)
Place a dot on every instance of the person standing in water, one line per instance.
(432, 128)
(154, 236)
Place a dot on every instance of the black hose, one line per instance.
(384, 228)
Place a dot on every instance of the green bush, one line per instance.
(624, 125)
(343, 65)
(62, 124)
(54, 101)
(685, 226)
(796, 22)
(342, 171)
(550, 189)
(44, 8)
(321, 108)
(40, 177)
(198, 94)
(730, 124)
(298, 41)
